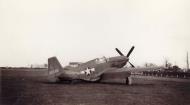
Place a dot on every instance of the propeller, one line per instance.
(120, 53)
(131, 65)
(130, 51)
(128, 54)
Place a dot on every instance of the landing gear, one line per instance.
(128, 81)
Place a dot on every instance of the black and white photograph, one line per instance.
(94, 52)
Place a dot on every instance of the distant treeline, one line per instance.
(23, 72)
(20, 68)
(167, 74)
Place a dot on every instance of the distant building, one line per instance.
(38, 66)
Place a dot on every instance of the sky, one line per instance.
(31, 31)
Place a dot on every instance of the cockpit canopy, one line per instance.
(101, 60)
(74, 64)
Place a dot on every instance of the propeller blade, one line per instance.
(119, 51)
(130, 51)
(131, 65)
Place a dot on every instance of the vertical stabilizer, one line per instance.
(53, 66)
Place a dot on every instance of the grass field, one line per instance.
(33, 90)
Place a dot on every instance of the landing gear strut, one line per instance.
(128, 81)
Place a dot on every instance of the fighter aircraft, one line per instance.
(97, 70)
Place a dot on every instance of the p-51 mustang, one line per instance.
(96, 70)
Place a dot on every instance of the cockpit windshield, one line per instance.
(101, 60)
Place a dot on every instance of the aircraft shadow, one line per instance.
(97, 83)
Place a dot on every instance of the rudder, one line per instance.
(53, 65)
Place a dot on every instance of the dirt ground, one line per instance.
(34, 90)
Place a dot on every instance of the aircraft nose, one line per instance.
(123, 58)
(119, 61)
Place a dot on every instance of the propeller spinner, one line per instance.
(128, 54)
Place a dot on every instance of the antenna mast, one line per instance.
(187, 62)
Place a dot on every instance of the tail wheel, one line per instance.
(53, 79)
(128, 81)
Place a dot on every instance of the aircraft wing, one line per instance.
(125, 72)
(122, 75)
(116, 75)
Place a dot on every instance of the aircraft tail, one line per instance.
(53, 66)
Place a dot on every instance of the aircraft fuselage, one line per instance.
(93, 67)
